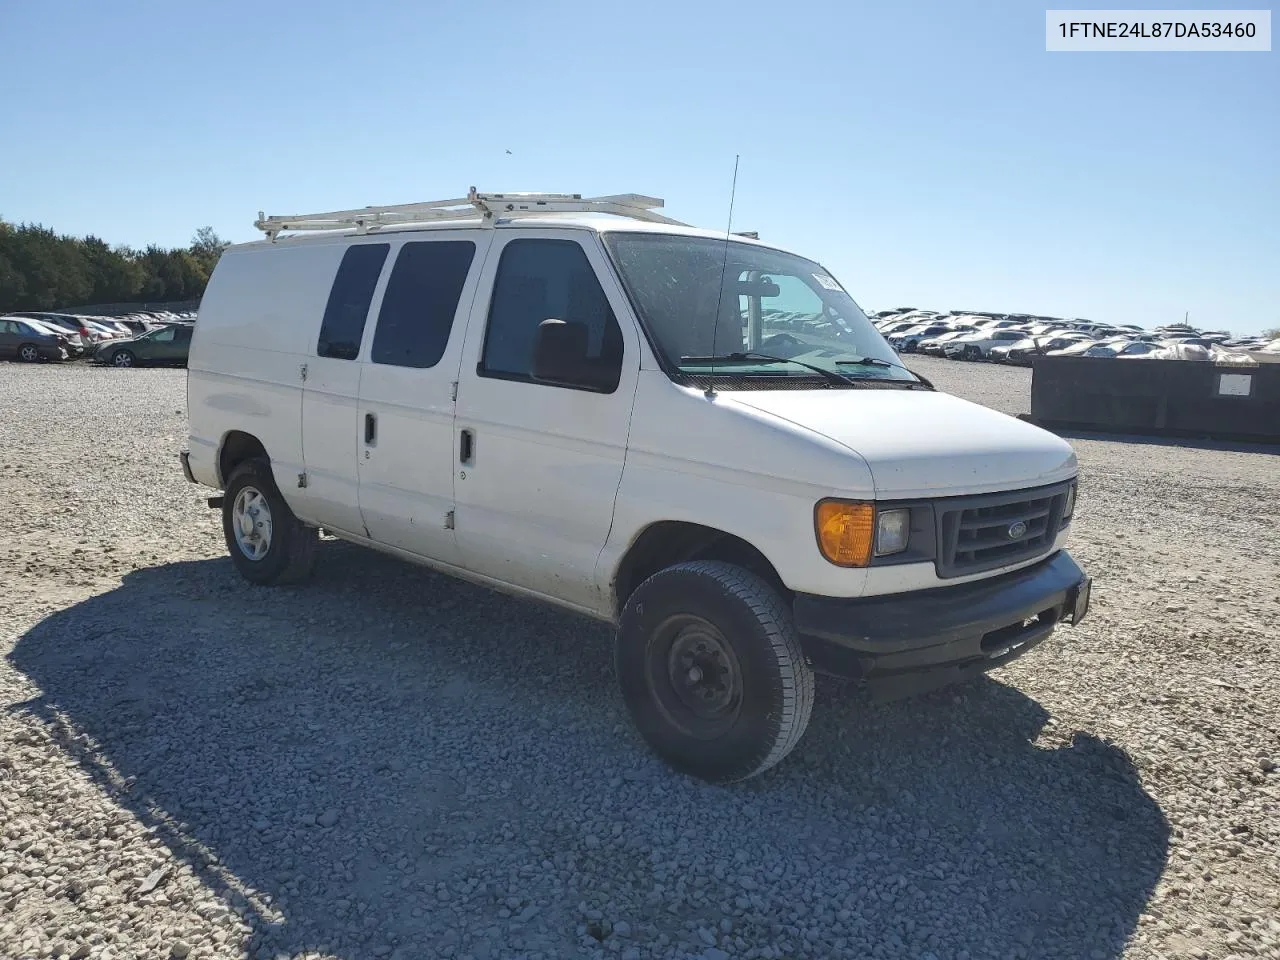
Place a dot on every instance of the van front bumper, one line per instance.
(906, 643)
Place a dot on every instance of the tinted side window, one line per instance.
(164, 336)
(420, 302)
(538, 280)
(349, 300)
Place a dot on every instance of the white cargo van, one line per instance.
(697, 437)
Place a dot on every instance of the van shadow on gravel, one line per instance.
(460, 735)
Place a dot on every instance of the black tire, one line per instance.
(123, 358)
(755, 653)
(28, 353)
(972, 353)
(290, 556)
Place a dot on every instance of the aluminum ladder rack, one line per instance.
(485, 208)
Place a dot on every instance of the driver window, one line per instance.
(536, 280)
(164, 335)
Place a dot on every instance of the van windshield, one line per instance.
(779, 315)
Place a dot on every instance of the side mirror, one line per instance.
(560, 357)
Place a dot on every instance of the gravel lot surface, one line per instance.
(387, 763)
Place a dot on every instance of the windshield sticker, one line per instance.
(826, 281)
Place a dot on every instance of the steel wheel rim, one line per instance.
(251, 523)
(695, 677)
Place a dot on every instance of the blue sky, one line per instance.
(931, 155)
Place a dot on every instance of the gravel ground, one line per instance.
(387, 763)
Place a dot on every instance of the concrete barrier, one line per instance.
(1161, 397)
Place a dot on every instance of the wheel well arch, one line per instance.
(669, 542)
(237, 447)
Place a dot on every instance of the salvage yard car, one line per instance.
(696, 437)
(168, 344)
(935, 345)
(28, 340)
(975, 345)
(77, 337)
(1021, 352)
(908, 340)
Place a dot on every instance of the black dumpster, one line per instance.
(1192, 398)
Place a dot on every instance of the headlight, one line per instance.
(849, 532)
(1069, 507)
(893, 529)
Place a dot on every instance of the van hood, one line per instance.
(922, 443)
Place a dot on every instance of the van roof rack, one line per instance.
(487, 208)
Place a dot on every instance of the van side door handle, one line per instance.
(370, 429)
(466, 446)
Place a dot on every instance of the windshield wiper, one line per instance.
(877, 362)
(830, 375)
(868, 362)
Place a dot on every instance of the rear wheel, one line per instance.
(28, 353)
(123, 358)
(712, 672)
(267, 543)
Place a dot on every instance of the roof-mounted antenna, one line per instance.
(724, 266)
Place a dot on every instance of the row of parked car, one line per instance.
(126, 341)
(163, 337)
(1019, 338)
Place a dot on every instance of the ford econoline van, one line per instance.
(695, 436)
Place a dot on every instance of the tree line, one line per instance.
(43, 270)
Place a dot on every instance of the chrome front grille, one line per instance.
(983, 532)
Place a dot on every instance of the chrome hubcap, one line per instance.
(251, 523)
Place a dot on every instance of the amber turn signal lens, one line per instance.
(845, 531)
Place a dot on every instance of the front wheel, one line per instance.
(28, 353)
(711, 670)
(123, 358)
(267, 543)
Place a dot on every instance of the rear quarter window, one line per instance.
(348, 308)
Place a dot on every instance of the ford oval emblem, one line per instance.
(1017, 530)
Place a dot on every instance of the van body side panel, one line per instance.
(407, 466)
(721, 464)
(255, 328)
(535, 504)
(741, 465)
(330, 416)
(330, 442)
